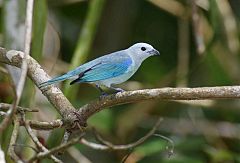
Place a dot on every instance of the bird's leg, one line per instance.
(117, 89)
(101, 90)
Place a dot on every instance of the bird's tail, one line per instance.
(55, 80)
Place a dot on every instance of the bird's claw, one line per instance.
(104, 94)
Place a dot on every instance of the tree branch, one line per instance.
(37, 142)
(109, 146)
(201, 93)
(68, 112)
(45, 125)
(6, 107)
(38, 75)
(56, 149)
(21, 82)
(58, 123)
(27, 45)
(105, 146)
(13, 140)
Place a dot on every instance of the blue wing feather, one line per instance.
(101, 68)
(107, 70)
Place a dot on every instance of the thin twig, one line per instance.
(95, 145)
(45, 125)
(14, 135)
(171, 150)
(6, 107)
(110, 146)
(56, 149)
(27, 45)
(99, 138)
(126, 156)
(58, 123)
(37, 142)
(19, 88)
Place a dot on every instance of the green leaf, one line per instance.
(39, 24)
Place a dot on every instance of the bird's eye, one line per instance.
(143, 48)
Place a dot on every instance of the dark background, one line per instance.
(202, 131)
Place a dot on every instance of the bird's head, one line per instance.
(141, 51)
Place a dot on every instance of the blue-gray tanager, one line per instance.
(108, 70)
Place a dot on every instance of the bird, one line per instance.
(108, 70)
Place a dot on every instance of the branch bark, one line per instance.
(201, 93)
(68, 112)
(38, 143)
(105, 146)
(21, 82)
(38, 75)
(45, 125)
(6, 107)
(13, 140)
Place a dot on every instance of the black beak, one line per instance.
(154, 52)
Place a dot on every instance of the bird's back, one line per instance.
(105, 67)
(107, 59)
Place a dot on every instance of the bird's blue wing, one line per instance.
(101, 68)
(105, 69)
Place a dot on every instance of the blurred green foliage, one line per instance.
(205, 131)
